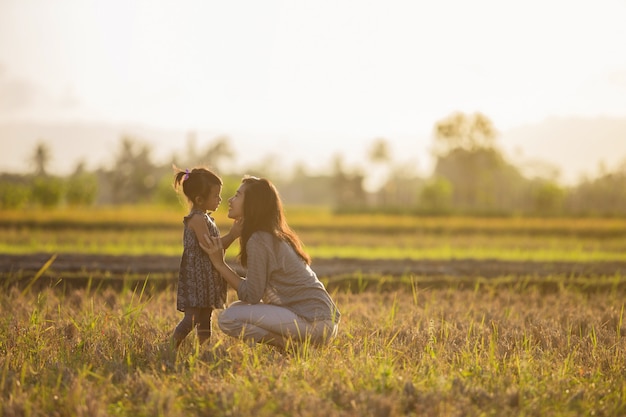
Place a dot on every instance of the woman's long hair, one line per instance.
(263, 211)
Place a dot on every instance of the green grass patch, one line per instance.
(157, 230)
(449, 252)
(343, 245)
(308, 219)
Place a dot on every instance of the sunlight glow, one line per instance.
(311, 71)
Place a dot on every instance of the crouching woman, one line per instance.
(281, 300)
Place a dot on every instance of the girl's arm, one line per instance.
(213, 247)
(200, 228)
(197, 223)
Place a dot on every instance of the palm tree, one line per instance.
(379, 155)
(41, 158)
(379, 152)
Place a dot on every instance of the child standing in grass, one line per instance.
(201, 288)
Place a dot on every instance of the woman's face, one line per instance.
(235, 204)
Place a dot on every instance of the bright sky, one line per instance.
(324, 74)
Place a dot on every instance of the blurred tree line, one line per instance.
(471, 176)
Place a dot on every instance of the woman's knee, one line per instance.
(229, 323)
(323, 332)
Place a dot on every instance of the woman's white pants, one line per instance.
(276, 325)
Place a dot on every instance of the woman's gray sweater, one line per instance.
(277, 275)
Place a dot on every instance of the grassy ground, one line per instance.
(514, 345)
(496, 349)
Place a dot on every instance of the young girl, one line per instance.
(200, 286)
(281, 299)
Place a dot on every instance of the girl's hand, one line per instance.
(213, 247)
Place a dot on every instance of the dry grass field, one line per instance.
(495, 349)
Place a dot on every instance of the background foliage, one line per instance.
(471, 176)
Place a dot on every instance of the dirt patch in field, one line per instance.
(80, 264)
(155, 273)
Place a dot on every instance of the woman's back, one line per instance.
(279, 276)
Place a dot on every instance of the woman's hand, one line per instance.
(233, 234)
(213, 247)
(236, 228)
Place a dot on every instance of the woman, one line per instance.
(281, 298)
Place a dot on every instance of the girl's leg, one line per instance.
(203, 321)
(185, 326)
(263, 323)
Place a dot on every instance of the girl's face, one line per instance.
(212, 201)
(235, 204)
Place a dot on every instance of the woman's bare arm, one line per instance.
(213, 247)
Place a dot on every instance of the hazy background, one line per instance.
(305, 80)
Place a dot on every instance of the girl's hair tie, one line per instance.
(186, 175)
